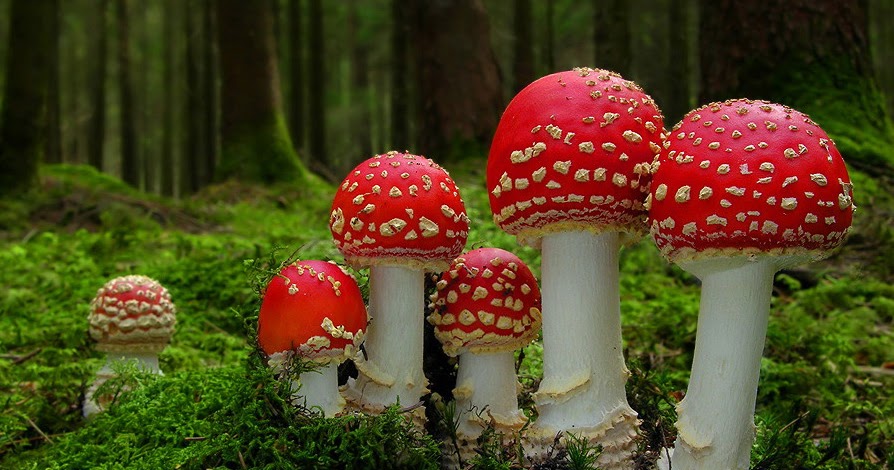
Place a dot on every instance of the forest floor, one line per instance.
(825, 397)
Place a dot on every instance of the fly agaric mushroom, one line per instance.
(743, 189)
(487, 305)
(313, 310)
(131, 319)
(569, 169)
(401, 215)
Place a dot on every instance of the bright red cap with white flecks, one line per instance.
(573, 151)
(746, 177)
(487, 301)
(399, 209)
(314, 309)
(132, 314)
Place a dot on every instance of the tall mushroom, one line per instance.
(744, 188)
(313, 310)
(569, 170)
(401, 215)
(131, 319)
(487, 305)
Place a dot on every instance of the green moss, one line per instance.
(261, 153)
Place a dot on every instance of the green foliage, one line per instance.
(824, 398)
(270, 139)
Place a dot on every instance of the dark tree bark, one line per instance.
(812, 55)
(255, 144)
(130, 164)
(679, 75)
(195, 174)
(549, 40)
(400, 95)
(611, 36)
(53, 139)
(25, 94)
(209, 87)
(523, 46)
(359, 86)
(296, 74)
(169, 139)
(881, 13)
(97, 123)
(319, 160)
(459, 81)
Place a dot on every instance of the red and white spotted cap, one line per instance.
(313, 309)
(399, 209)
(746, 177)
(487, 301)
(573, 151)
(132, 314)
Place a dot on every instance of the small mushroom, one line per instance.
(569, 171)
(744, 188)
(400, 215)
(487, 305)
(131, 319)
(313, 310)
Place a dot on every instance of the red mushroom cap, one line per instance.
(133, 314)
(573, 151)
(746, 177)
(399, 209)
(487, 301)
(314, 309)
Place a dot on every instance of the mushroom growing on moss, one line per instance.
(131, 319)
(569, 170)
(744, 188)
(487, 305)
(401, 215)
(313, 310)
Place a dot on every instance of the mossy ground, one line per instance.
(825, 399)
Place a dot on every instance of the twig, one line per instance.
(241, 459)
(16, 360)
(36, 428)
(194, 438)
(875, 370)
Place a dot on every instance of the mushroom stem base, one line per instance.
(716, 419)
(318, 390)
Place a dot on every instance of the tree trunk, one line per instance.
(549, 40)
(881, 12)
(130, 165)
(611, 36)
(811, 55)
(679, 74)
(459, 81)
(359, 84)
(296, 74)
(169, 139)
(523, 45)
(97, 124)
(209, 90)
(25, 95)
(53, 139)
(400, 95)
(194, 174)
(317, 88)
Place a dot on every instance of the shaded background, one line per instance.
(172, 95)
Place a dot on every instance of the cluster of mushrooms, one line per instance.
(580, 165)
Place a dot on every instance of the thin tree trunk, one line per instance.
(130, 165)
(360, 85)
(400, 31)
(25, 94)
(316, 103)
(523, 58)
(97, 124)
(549, 40)
(169, 139)
(54, 113)
(209, 89)
(611, 35)
(679, 100)
(194, 175)
(882, 43)
(296, 74)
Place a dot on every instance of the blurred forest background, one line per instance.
(171, 95)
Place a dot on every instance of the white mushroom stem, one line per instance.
(716, 418)
(392, 372)
(583, 365)
(486, 386)
(319, 390)
(144, 362)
